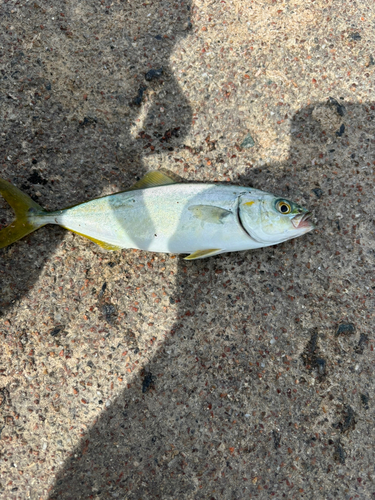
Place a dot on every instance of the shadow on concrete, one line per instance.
(166, 436)
(208, 422)
(80, 116)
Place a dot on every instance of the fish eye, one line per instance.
(283, 207)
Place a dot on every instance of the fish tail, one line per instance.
(26, 212)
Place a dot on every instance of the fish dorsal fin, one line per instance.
(201, 254)
(172, 175)
(209, 213)
(153, 179)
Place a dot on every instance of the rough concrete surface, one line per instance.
(135, 375)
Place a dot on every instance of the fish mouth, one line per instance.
(303, 221)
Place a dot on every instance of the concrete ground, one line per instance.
(135, 375)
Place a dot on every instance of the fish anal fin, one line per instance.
(209, 213)
(153, 179)
(102, 244)
(201, 254)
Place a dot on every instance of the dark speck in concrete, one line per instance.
(364, 400)
(137, 101)
(108, 311)
(88, 120)
(318, 192)
(321, 364)
(36, 178)
(345, 329)
(276, 438)
(339, 454)
(153, 74)
(310, 357)
(347, 422)
(341, 131)
(363, 341)
(148, 382)
(103, 289)
(340, 108)
(55, 331)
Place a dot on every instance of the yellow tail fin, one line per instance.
(23, 207)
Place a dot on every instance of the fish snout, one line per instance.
(303, 221)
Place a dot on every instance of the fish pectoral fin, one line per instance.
(153, 179)
(209, 213)
(102, 244)
(201, 254)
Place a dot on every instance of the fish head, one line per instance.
(269, 219)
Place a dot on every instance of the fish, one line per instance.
(161, 213)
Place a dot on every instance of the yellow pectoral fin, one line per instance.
(201, 254)
(102, 244)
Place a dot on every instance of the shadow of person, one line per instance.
(88, 98)
(212, 410)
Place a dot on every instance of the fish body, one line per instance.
(161, 215)
(177, 218)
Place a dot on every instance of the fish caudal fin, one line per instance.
(23, 207)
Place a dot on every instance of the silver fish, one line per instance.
(161, 215)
